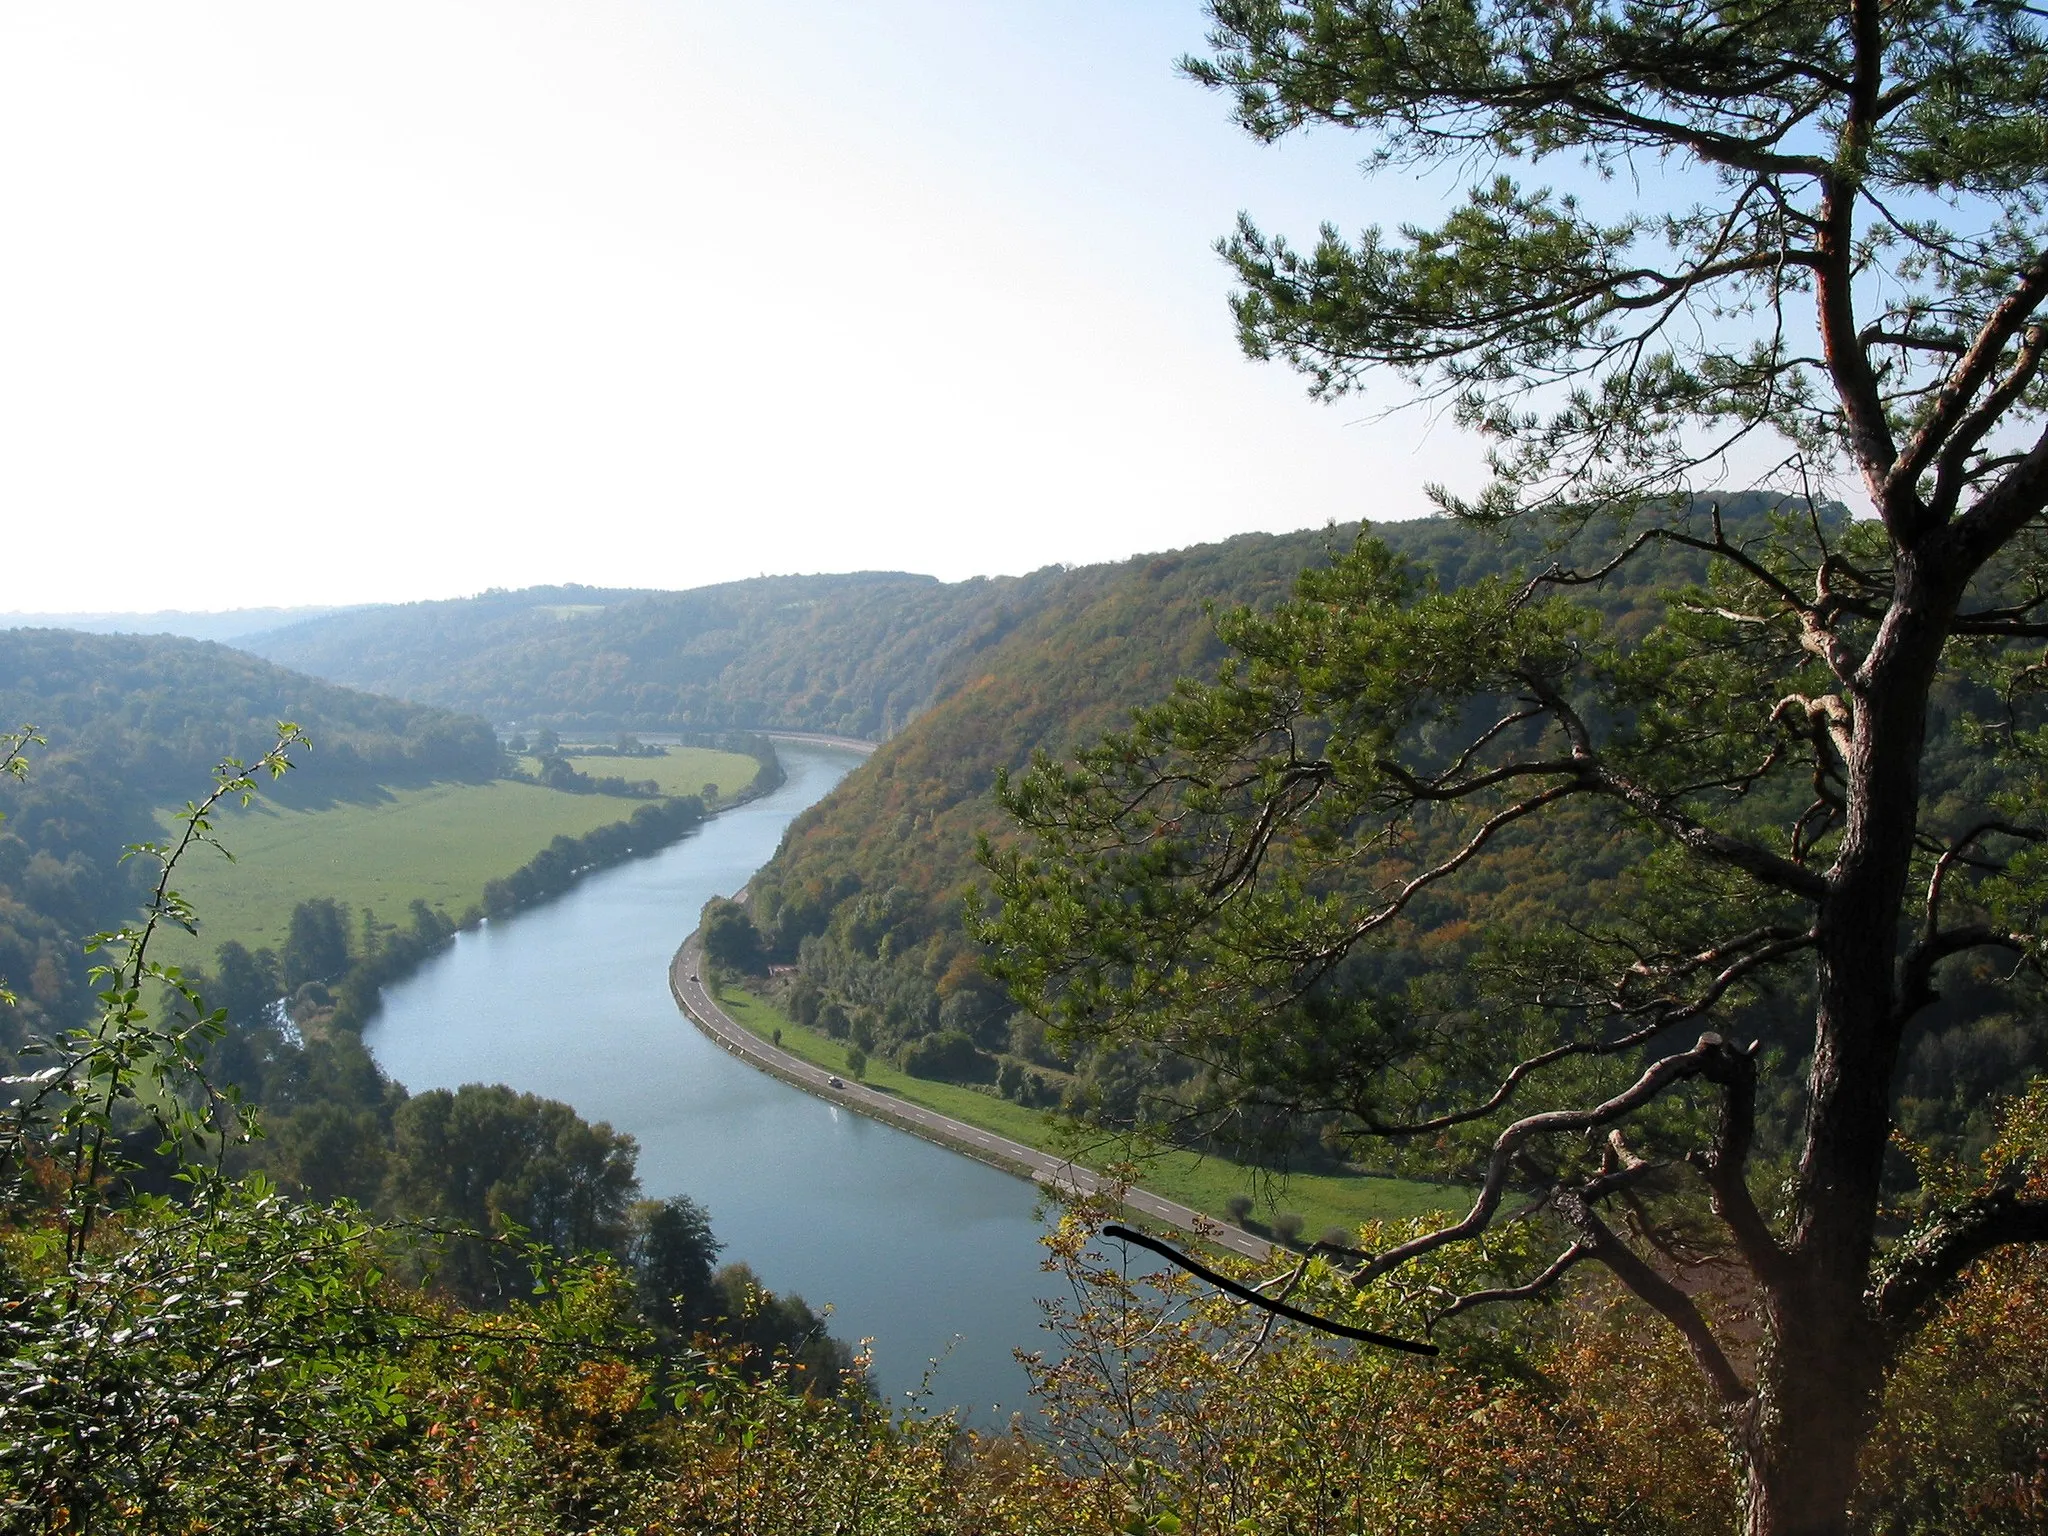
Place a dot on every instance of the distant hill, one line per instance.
(227, 626)
(853, 655)
(134, 724)
(860, 654)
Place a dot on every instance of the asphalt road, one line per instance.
(1056, 1173)
(818, 738)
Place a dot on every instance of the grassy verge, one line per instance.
(1205, 1183)
(684, 771)
(439, 844)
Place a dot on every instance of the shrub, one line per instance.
(949, 1056)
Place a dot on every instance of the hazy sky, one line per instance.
(331, 303)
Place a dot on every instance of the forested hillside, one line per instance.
(230, 626)
(888, 853)
(134, 724)
(868, 886)
(867, 890)
(854, 655)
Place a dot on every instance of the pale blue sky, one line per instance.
(409, 298)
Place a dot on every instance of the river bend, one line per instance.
(914, 1247)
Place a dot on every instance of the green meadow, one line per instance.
(1204, 1183)
(684, 771)
(440, 844)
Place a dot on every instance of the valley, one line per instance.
(440, 843)
(1465, 955)
(872, 883)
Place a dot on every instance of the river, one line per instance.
(929, 1254)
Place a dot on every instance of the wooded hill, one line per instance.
(230, 626)
(868, 886)
(134, 724)
(854, 655)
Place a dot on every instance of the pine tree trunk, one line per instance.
(1818, 1390)
(1821, 1377)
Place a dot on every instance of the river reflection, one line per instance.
(912, 1245)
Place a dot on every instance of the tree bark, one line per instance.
(1821, 1373)
(1819, 1384)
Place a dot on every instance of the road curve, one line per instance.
(1062, 1174)
(820, 739)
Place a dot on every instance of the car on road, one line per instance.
(837, 1082)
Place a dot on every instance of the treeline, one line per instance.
(131, 725)
(558, 866)
(557, 772)
(857, 655)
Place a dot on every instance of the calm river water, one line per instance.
(920, 1249)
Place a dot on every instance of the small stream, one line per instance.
(930, 1254)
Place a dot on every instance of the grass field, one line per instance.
(1205, 1183)
(684, 771)
(440, 844)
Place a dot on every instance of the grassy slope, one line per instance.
(440, 843)
(1205, 1183)
(684, 771)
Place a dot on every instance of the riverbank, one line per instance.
(816, 739)
(658, 822)
(1191, 1180)
(444, 844)
(695, 998)
(930, 1254)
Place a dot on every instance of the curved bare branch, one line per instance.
(1245, 1293)
(1558, 1268)
(1725, 1164)
(1668, 1300)
(1711, 1055)
(1926, 1263)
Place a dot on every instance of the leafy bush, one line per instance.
(949, 1056)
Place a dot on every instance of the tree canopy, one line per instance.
(1799, 236)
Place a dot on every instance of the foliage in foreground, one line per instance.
(1192, 1413)
(238, 1363)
